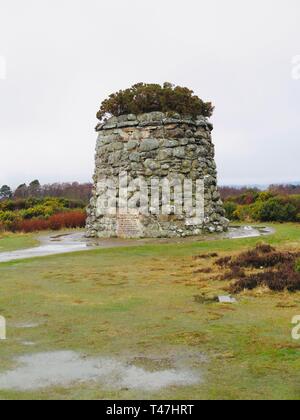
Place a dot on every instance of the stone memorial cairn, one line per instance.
(154, 147)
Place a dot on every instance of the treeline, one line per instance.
(276, 189)
(288, 189)
(229, 192)
(266, 206)
(71, 191)
(36, 207)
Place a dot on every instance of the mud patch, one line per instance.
(66, 368)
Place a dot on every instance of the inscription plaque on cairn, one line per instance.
(129, 226)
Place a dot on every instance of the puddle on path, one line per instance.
(238, 232)
(67, 368)
(50, 245)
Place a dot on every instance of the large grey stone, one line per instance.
(132, 144)
(165, 154)
(149, 144)
(152, 165)
(179, 152)
(135, 157)
(169, 143)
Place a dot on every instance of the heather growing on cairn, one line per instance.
(142, 98)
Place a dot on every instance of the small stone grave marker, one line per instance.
(226, 299)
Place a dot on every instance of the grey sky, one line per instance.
(65, 56)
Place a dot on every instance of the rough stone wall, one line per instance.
(151, 146)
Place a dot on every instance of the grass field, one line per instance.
(139, 302)
(12, 242)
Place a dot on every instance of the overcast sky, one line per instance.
(65, 56)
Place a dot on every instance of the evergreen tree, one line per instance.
(5, 192)
(34, 189)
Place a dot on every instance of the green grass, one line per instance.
(141, 300)
(12, 242)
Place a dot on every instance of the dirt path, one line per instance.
(71, 242)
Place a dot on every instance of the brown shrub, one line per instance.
(32, 225)
(247, 283)
(276, 280)
(263, 256)
(265, 261)
(234, 273)
(206, 256)
(279, 270)
(203, 271)
(224, 262)
(70, 219)
(264, 248)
